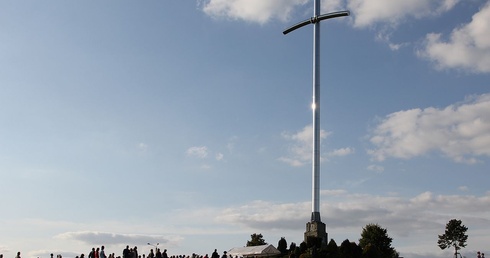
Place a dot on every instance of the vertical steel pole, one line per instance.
(316, 228)
(315, 215)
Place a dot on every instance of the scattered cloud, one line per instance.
(266, 215)
(230, 146)
(335, 192)
(205, 166)
(142, 147)
(199, 152)
(376, 168)
(332, 5)
(219, 156)
(95, 238)
(371, 12)
(415, 218)
(365, 12)
(341, 152)
(460, 132)
(420, 217)
(384, 36)
(257, 11)
(469, 45)
(300, 150)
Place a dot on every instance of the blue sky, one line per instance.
(188, 123)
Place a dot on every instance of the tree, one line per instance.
(375, 241)
(303, 247)
(349, 249)
(332, 249)
(282, 245)
(455, 236)
(257, 239)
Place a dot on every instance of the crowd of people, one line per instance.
(128, 252)
(133, 253)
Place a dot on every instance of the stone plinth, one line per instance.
(316, 230)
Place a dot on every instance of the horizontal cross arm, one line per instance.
(316, 19)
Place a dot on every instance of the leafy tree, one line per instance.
(297, 251)
(257, 239)
(303, 247)
(375, 242)
(282, 245)
(332, 249)
(312, 241)
(454, 236)
(349, 249)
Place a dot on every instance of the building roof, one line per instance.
(259, 250)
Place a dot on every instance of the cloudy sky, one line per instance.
(188, 123)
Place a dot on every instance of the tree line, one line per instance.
(374, 243)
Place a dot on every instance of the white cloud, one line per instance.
(219, 156)
(332, 5)
(365, 12)
(342, 152)
(460, 132)
(376, 168)
(258, 11)
(468, 47)
(266, 215)
(200, 152)
(335, 192)
(95, 238)
(370, 12)
(300, 151)
(413, 221)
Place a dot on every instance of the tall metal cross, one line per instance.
(315, 20)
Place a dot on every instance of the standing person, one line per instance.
(102, 253)
(92, 253)
(478, 255)
(126, 252)
(135, 252)
(164, 254)
(224, 255)
(215, 254)
(158, 253)
(18, 255)
(482, 255)
(96, 255)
